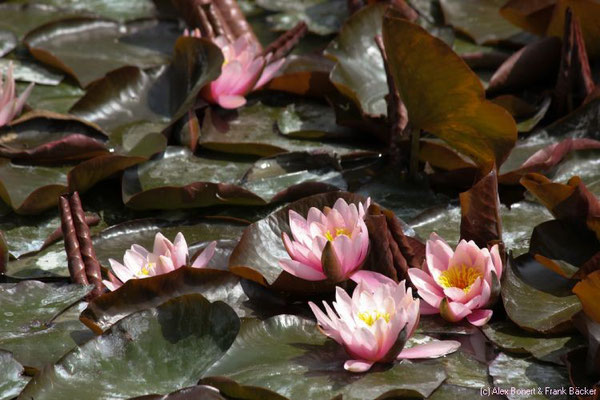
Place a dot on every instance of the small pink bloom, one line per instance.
(457, 284)
(10, 105)
(139, 263)
(244, 70)
(370, 324)
(330, 244)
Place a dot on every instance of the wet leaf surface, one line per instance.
(64, 45)
(323, 17)
(359, 72)
(178, 340)
(533, 309)
(11, 377)
(288, 355)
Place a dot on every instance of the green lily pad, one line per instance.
(531, 377)
(22, 18)
(509, 337)
(322, 17)
(203, 392)
(8, 41)
(253, 130)
(59, 98)
(65, 45)
(49, 342)
(28, 71)
(288, 355)
(247, 299)
(359, 72)
(453, 392)
(130, 101)
(157, 350)
(311, 120)
(480, 19)
(533, 309)
(48, 263)
(29, 306)
(121, 10)
(179, 179)
(12, 380)
(31, 189)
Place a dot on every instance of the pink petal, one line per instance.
(495, 253)
(434, 349)
(180, 250)
(358, 365)
(301, 270)
(456, 311)
(372, 280)
(202, 260)
(231, 101)
(268, 73)
(111, 286)
(479, 317)
(426, 287)
(122, 272)
(426, 309)
(22, 99)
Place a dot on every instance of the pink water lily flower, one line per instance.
(10, 104)
(139, 263)
(457, 284)
(244, 70)
(329, 244)
(374, 324)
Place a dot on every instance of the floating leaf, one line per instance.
(46, 343)
(65, 45)
(215, 285)
(479, 19)
(444, 97)
(531, 377)
(323, 17)
(359, 72)
(27, 71)
(254, 130)
(12, 380)
(177, 340)
(203, 392)
(132, 101)
(115, 9)
(59, 98)
(288, 355)
(509, 337)
(533, 309)
(22, 18)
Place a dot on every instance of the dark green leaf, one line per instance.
(323, 17)
(288, 355)
(509, 337)
(65, 45)
(534, 310)
(359, 72)
(12, 380)
(157, 350)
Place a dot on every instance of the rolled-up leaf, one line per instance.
(74, 259)
(90, 220)
(286, 42)
(88, 254)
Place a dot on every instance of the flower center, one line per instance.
(338, 232)
(461, 277)
(146, 269)
(369, 317)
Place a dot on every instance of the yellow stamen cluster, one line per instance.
(369, 317)
(338, 232)
(147, 268)
(461, 277)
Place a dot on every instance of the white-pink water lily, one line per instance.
(457, 284)
(332, 243)
(166, 256)
(244, 70)
(374, 324)
(10, 104)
